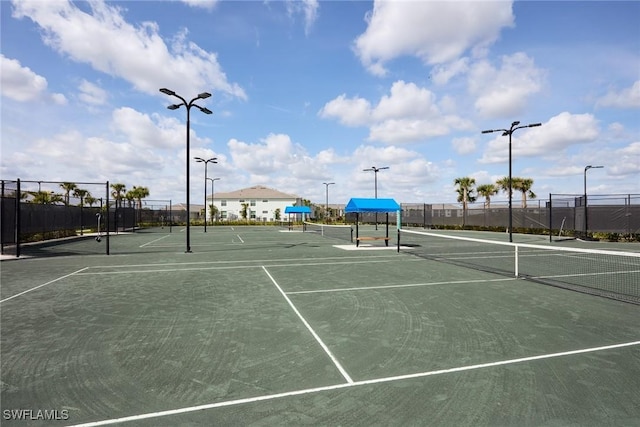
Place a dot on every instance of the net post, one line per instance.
(550, 219)
(424, 215)
(398, 242)
(108, 225)
(17, 220)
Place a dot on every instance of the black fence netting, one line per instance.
(59, 218)
(562, 214)
(48, 218)
(9, 217)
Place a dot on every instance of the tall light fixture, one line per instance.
(375, 174)
(188, 106)
(326, 201)
(586, 205)
(514, 127)
(206, 162)
(212, 196)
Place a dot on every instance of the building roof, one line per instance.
(372, 205)
(256, 192)
(193, 207)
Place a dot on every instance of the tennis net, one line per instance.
(342, 232)
(607, 273)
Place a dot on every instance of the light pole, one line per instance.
(326, 202)
(188, 106)
(586, 206)
(514, 127)
(206, 162)
(375, 174)
(212, 194)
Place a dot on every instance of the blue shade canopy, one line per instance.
(372, 205)
(297, 209)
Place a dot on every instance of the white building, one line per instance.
(263, 204)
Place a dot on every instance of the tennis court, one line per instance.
(264, 326)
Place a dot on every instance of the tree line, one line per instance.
(468, 192)
(119, 193)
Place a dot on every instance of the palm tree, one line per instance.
(68, 187)
(503, 184)
(140, 193)
(46, 198)
(465, 190)
(213, 211)
(90, 200)
(118, 192)
(524, 185)
(130, 197)
(243, 211)
(486, 191)
(81, 194)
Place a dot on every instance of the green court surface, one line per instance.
(259, 326)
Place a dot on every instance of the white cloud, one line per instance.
(205, 4)
(143, 131)
(108, 159)
(348, 111)
(464, 145)
(407, 178)
(441, 74)
(308, 8)
(549, 141)
(22, 84)
(627, 161)
(277, 155)
(435, 32)
(625, 98)
(504, 92)
(137, 54)
(409, 113)
(92, 94)
(406, 100)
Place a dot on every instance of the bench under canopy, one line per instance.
(362, 205)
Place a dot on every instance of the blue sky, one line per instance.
(308, 92)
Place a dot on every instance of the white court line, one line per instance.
(153, 241)
(352, 384)
(229, 267)
(606, 273)
(44, 284)
(322, 344)
(242, 241)
(257, 261)
(410, 285)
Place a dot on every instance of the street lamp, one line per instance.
(586, 206)
(514, 127)
(212, 194)
(188, 106)
(375, 174)
(326, 203)
(206, 162)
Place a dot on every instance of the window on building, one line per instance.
(223, 203)
(265, 201)
(223, 214)
(253, 203)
